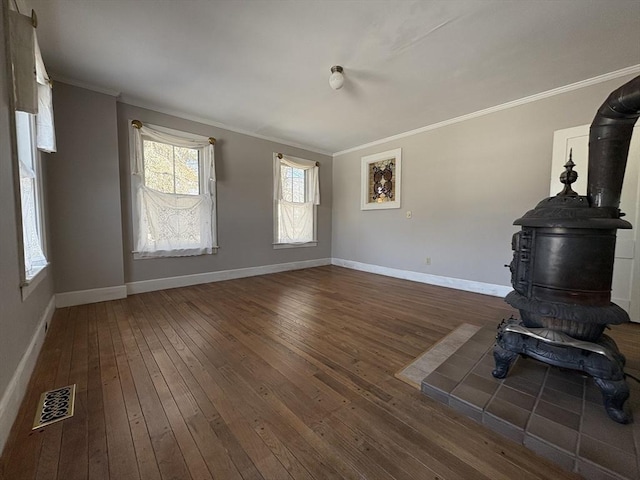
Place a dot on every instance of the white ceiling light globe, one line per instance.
(336, 80)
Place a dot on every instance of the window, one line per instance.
(34, 130)
(296, 195)
(171, 169)
(30, 196)
(173, 182)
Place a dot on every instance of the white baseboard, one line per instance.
(196, 279)
(457, 283)
(13, 395)
(82, 297)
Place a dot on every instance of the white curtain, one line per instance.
(31, 84)
(296, 220)
(173, 225)
(32, 246)
(45, 130)
(23, 62)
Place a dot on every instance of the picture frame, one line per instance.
(381, 180)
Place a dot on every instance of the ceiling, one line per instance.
(262, 66)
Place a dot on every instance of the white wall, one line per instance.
(465, 184)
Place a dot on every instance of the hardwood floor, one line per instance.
(284, 376)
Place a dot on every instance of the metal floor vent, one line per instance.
(55, 405)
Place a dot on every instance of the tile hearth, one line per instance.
(556, 413)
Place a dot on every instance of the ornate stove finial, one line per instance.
(568, 177)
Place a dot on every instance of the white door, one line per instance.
(626, 269)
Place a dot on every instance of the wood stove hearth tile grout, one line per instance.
(558, 415)
(551, 432)
(610, 458)
(595, 425)
(552, 452)
(534, 406)
(503, 427)
(590, 470)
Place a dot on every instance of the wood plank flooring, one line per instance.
(284, 376)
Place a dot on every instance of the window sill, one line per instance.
(172, 254)
(277, 246)
(31, 283)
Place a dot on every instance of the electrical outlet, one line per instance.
(427, 261)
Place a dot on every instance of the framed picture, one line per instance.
(381, 180)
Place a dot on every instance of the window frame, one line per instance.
(26, 146)
(277, 244)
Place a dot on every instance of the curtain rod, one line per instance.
(138, 124)
(280, 156)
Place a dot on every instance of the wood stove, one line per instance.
(562, 265)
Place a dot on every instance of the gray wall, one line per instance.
(84, 191)
(465, 185)
(18, 319)
(90, 197)
(244, 167)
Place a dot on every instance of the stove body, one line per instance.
(562, 266)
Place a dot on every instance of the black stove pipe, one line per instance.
(609, 139)
(562, 266)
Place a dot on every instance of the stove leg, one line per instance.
(614, 394)
(504, 359)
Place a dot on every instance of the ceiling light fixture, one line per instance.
(336, 80)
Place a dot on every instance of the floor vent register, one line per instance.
(55, 405)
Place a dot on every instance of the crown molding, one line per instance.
(87, 86)
(634, 69)
(515, 103)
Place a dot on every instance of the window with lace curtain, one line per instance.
(34, 132)
(296, 196)
(173, 181)
(30, 196)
